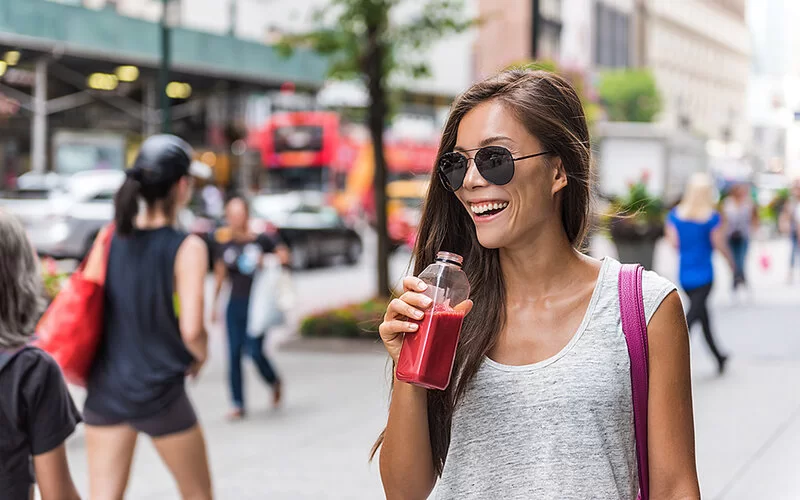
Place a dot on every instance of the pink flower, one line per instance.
(50, 266)
(645, 176)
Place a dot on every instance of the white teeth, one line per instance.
(485, 207)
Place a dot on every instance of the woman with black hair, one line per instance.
(240, 253)
(153, 335)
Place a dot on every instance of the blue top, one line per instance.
(695, 249)
(141, 361)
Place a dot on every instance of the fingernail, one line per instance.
(413, 326)
(422, 286)
(427, 301)
(418, 314)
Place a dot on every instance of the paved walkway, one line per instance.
(316, 447)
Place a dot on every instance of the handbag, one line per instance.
(265, 309)
(634, 326)
(71, 327)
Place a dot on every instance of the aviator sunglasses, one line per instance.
(494, 163)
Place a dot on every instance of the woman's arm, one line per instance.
(406, 459)
(53, 477)
(720, 243)
(220, 273)
(190, 272)
(282, 251)
(670, 425)
(672, 235)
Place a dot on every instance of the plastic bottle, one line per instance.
(426, 358)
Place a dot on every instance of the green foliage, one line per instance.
(630, 95)
(639, 202)
(638, 215)
(353, 321)
(347, 29)
(52, 278)
(772, 212)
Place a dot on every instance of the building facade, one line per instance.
(774, 98)
(700, 56)
(505, 35)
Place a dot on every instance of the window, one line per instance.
(611, 37)
(104, 197)
(300, 138)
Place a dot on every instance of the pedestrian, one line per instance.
(240, 253)
(153, 334)
(540, 402)
(740, 216)
(696, 229)
(37, 414)
(790, 219)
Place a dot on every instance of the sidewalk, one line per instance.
(316, 447)
(747, 422)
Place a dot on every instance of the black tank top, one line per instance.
(141, 362)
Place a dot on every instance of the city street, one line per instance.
(317, 445)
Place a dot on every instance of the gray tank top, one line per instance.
(559, 428)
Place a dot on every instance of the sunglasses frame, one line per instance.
(446, 183)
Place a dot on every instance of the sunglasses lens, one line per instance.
(452, 169)
(495, 164)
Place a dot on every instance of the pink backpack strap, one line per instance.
(634, 326)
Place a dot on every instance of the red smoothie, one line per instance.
(426, 358)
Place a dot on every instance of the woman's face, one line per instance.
(185, 188)
(236, 214)
(530, 199)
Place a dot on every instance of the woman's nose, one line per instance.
(473, 178)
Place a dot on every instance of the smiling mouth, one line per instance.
(487, 209)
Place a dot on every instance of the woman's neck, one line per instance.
(541, 265)
(154, 219)
(240, 233)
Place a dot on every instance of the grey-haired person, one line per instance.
(37, 414)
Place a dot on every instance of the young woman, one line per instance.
(741, 220)
(696, 230)
(790, 223)
(153, 330)
(37, 414)
(240, 253)
(540, 402)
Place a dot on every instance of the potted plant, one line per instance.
(636, 222)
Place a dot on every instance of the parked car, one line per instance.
(63, 221)
(314, 232)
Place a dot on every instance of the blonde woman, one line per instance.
(695, 228)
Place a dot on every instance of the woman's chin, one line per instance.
(491, 239)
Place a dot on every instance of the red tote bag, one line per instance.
(71, 327)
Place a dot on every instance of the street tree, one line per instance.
(364, 40)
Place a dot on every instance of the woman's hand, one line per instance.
(402, 313)
(214, 315)
(195, 367)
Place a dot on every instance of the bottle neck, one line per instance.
(448, 262)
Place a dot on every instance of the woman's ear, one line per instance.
(559, 175)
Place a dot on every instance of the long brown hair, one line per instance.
(550, 109)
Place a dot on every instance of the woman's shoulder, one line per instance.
(655, 288)
(32, 364)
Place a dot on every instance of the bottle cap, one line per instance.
(452, 258)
